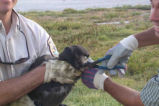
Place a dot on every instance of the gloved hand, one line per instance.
(94, 78)
(23, 101)
(119, 72)
(121, 52)
(60, 71)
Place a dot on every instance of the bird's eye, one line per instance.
(84, 59)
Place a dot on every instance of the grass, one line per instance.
(79, 27)
(82, 96)
(141, 7)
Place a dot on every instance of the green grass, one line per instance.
(82, 96)
(141, 7)
(74, 27)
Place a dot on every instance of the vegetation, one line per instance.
(141, 7)
(83, 27)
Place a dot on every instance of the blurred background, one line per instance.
(58, 5)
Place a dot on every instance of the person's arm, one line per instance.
(97, 79)
(12, 89)
(147, 38)
(123, 94)
(123, 50)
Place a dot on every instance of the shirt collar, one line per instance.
(0, 24)
(16, 17)
(2, 30)
(15, 22)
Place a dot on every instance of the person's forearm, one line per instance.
(125, 95)
(147, 38)
(12, 89)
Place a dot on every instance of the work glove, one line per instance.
(23, 101)
(60, 71)
(120, 72)
(94, 78)
(121, 52)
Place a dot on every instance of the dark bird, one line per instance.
(53, 93)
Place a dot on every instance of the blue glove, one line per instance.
(94, 78)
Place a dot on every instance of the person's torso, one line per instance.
(17, 44)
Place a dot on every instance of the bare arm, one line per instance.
(12, 89)
(147, 38)
(123, 94)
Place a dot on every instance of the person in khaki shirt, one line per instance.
(97, 79)
(22, 41)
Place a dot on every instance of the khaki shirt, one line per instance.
(25, 38)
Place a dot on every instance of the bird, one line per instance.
(53, 93)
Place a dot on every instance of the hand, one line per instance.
(94, 78)
(23, 101)
(119, 72)
(121, 52)
(60, 71)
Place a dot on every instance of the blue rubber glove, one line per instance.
(94, 78)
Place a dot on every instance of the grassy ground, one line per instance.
(71, 27)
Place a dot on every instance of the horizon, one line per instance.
(60, 5)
